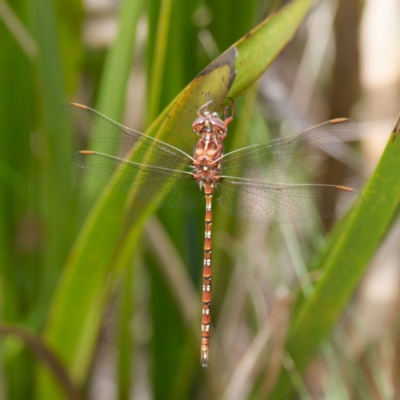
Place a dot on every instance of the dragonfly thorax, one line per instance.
(207, 154)
(210, 123)
(207, 169)
(209, 148)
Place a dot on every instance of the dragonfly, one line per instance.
(156, 172)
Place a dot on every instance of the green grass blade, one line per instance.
(114, 80)
(56, 201)
(233, 20)
(158, 65)
(117, 67)
(124, 341)
(345, 264)
(17, 265)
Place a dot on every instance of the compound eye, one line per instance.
(215, 115)
(218, 125)
(198, 125)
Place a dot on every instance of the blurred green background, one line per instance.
(100, 295)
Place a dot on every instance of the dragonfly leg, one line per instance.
(229, 118)
(204, 106)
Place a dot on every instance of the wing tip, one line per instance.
(79, 106)
(339, 120)
(344, 188)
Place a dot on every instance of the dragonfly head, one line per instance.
(209, 123)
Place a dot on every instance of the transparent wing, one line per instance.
(265, 203)
(291, 154)
(111, 138)
(161, 186)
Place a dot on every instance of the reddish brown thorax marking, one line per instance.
(209, 148)
(207, 154)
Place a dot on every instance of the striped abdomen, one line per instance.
(207, 276)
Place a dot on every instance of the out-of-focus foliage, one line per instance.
(99, 295)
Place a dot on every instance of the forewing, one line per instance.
(108, 137)
(262, 202)
(291, 154)
(161, 186)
